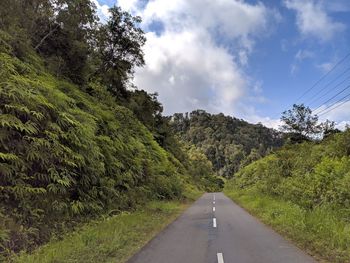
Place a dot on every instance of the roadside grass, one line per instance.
(114, 239)
(323, 232)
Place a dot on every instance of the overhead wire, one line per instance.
(330, 90)
(324, 76)
(337, 106)
(334, 96)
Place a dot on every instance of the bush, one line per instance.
(67, 156)
(303, 190)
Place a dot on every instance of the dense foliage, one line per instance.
(309, 174)
(229, 143)
(76, 141)
(300, 124)
(304, 191)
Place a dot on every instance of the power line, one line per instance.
(324, 76)
(336, 106)
(340, 92)
(323, 111)
(331, 82)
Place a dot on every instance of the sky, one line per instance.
(249, 59)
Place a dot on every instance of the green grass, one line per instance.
(324, 231)
(114, 239)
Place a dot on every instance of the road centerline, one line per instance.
(220, 258)
(191, 238)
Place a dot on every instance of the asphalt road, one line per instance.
(224, 234)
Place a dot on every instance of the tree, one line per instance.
(328, 128)
(66, 40)
(300, 123)
(226, 141)
(146, 107)
(120, 50)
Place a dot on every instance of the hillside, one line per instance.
(229, 143)
(91, 170)
(78, 142)
(303, 190)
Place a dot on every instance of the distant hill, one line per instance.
(229, 143)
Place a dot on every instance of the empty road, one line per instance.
(216, 230)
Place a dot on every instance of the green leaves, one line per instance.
(8, 157)
(307, 174)
(72, 156)
(229, 143)
(12, 122)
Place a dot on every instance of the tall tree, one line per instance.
(328, 128)
(120, 50)
(226, 141)
(300, 122)
(67, 40)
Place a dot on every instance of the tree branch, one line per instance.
(46, 36)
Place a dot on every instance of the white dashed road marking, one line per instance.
(220, 258)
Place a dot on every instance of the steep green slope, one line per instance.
(67, 156)
(229, 143)
(304, 191)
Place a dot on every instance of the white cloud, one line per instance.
(340, 112)
(252, 116)
(325, 67)
(343, 125)
(314, 20)
(102, 11)
(231, 19)
(128, 5)
(299, 57)
(189, 71)
(293, 69)
(195, 60)
(269, 122)
(303, 54)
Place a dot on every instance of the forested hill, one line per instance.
(229, 143)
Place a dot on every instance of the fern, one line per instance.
(12, 122)
(8, 157)
(65, 155)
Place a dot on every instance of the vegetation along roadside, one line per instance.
(113, 239)
(302, 190)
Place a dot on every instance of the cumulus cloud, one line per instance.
(339, 112)
(196, 55)
(102, 11)
(267, 121)
(189, 71)
(128, 5)
(232, 18)
(313, 19)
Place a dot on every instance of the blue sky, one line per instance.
(250, 59)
